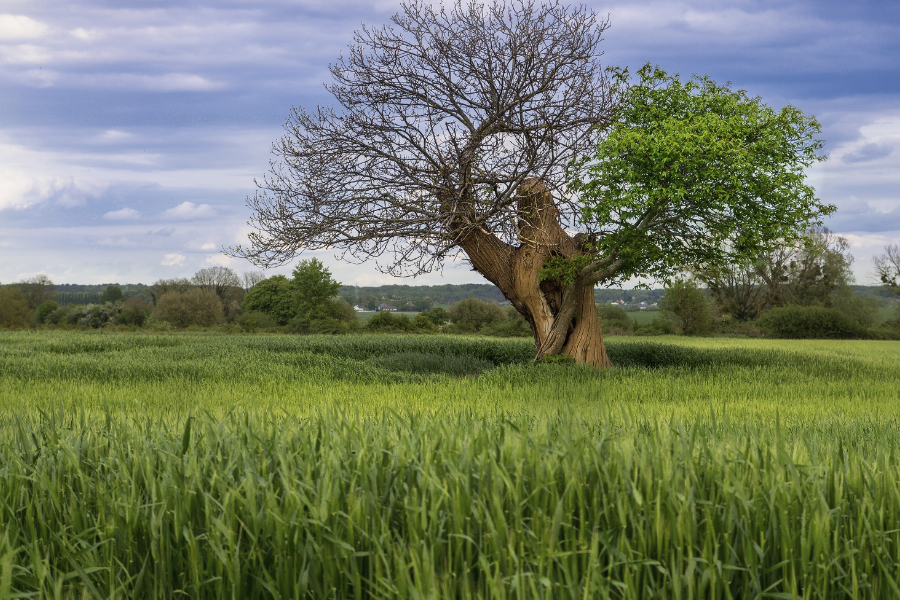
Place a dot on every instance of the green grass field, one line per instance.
(241, 466)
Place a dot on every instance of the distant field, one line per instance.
(138, 465)
(643, 316)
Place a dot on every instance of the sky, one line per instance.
(131, 133)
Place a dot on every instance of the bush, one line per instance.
(472, 315)
(658, 326)
(255, 321)
(15, 312)
(437, 315)
(862, 310)
(44, 310)
(387, 322)
(62, 316)
(196, 307)
(810, 322)
(614, 320)
(135, 312)
(515, 325)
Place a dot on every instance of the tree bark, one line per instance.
(563, 318)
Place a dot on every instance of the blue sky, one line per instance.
(130, 133)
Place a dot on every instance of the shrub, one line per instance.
(44, 310)
(614, 320)
(515, 325)
(437, 315)
(197, 307)
(134, 312)
(15, 312)
(386, 322)
(64, 315)
(471, 315)
(255, 321)
(810, 322)
(658, 326)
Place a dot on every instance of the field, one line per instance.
(212, 466)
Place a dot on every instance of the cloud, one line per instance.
(208, 247)
(123, 214)
(862, 217)
(188, 210)
(220, 260)
(20, 27)
(173, 260)
(868, 153)
(20, 191)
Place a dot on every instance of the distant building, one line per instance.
(387, 307)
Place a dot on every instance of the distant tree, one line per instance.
(221, 281)
(165, 286)
(44, 310)
(251, 278)
(38, 290)
(887, 267)
(738, 288)
(472, 315)
(314, 289)
(273, 297)
(113, 293)
(193, 307)
(436, 315)
(820, 270)
(686, 304)
(135, 312)
(15, 311)
(421, 304)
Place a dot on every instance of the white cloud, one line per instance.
(123, 214)
(18, 190)
(208, 247)
(173, 260)
(84, 34)
(20, 27)
(189, 210)
(220, 260)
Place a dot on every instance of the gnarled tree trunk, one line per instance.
(563, 317)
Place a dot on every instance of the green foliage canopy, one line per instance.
(692, 173)
(274, 297)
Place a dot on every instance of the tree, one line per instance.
(813, 270)
(686, 304)
(15, 311)
(887, 267)
(166, 286)
(250, 279)
(274, 297)
(737, 288)
(38, 290)
(458, 130)
(193, 307)
(113, 293)
(314, 289)
(221, 281)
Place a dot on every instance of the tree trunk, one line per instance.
(563, 318)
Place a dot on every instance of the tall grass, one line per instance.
(398, 467)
